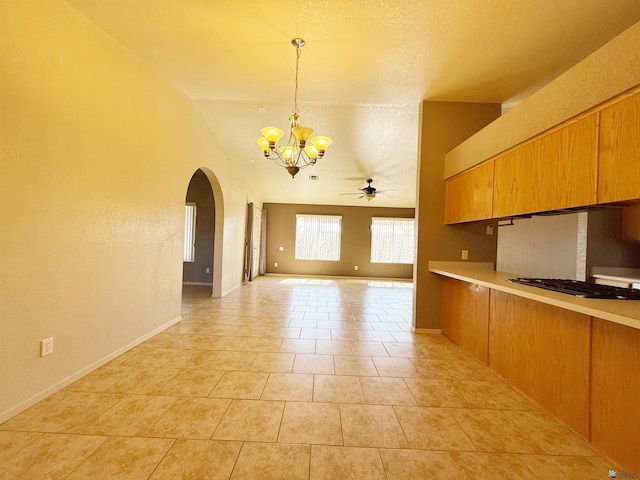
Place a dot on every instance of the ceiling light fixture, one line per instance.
(296, 154)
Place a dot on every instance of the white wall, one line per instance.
(96, 155)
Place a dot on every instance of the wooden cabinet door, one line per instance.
(545, 352)
(469, 195)
(619, 161)
(555, 171)
(465, 316)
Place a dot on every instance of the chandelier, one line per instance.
(297, 153)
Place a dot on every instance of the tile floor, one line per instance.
(293, 378)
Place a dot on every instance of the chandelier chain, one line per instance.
(295, 94)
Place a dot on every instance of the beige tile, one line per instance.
(39, 408)
(262, 344)
(260, 461)
(498, 395)
(190, 418)
(354, 365)
(133, 415)
(369, 349)
(190, 383)
(333, 347)
(435, 392)
(432, 429)
(316, 334)
(123, 459)
(297, 345)
(250, 421)
(312, 423)
(346, 463)
(289, 386)
(308, 363)
(562, 467)
(273, 362)
(196, 359)
(493, 431)
(13, 442)
(553, 437)
(144, 381)
(377, 336)
(371, 426)
(198, 459)
(240, 361)
(285, 332)
(386, 391)
(395, 367)
(337, 389)
(489, 466)
(49, 457)
(100, 379)
(418, 465)
(246, 385)
(400, 350)
(347, 335)
(72, 414)
(151, 357)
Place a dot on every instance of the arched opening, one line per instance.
(204, 267)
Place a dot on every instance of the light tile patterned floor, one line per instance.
(293, 378)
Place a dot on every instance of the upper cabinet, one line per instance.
(554, 171)
(619, 167)
(469, 194)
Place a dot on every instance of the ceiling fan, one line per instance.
(370, 192)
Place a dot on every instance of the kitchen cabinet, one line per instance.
(619, 151)
(465, 317)
(554, 171)
(545, 352)
(615, 416)
(469, 195)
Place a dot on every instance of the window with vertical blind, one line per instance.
(189, 252)
(392, 240)
(318, 237)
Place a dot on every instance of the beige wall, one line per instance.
(444, 125)
(96, 155)
(355, 246)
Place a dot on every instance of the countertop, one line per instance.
(624, 312)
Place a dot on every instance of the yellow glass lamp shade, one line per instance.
(311, 151)
(286, 152)
(272, 134)
(264, 144)
(302, 134)
(321, 143)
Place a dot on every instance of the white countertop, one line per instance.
(625, 312)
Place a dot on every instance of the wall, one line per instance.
(355, 246)
(443, 126)
(610, 70)
(606, 246)
(200, 193)
(97, 153)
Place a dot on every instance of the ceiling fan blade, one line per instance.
(384, 195)
(386, 191)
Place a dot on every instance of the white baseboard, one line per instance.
(198, 283)
(430, 331)
(7, 414)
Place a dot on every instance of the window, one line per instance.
(318, 237)
(189, 252)
(392, 240)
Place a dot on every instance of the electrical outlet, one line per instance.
(356, 267)
(275, 264)
(489, 229)
(465, 254)
(207, 270)
(46, 347)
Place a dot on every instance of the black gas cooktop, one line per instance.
(580, 289)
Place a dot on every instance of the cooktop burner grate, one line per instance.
(581, 289)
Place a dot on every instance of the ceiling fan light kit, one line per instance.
(370, 192)
(301, 150)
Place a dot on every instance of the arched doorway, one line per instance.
(205, 266)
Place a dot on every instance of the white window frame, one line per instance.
(382, 249)
(326, 228)
(189, 250)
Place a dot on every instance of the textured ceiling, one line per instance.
(365, 69)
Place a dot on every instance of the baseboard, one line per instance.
(430, 331)
(198, 283)
(7, 414)
(227, 292)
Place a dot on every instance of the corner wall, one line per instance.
(444, 125)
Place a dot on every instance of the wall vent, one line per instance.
(313, 177)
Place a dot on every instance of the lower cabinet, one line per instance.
(544, 351)
(615, 392)
(466, 317)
